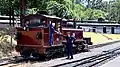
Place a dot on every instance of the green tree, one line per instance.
(4, 6)
(61, 8)
(114, 12)
(57, 9)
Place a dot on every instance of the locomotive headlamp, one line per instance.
(24, 28)
(39, 35)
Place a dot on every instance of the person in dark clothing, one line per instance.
(51, 31)
(51, 34)
(69, 45)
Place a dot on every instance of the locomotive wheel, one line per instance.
(49, 53)
(35, 54)
(38, 56)
(86, 49)
(60, 52)
(25, 53)
(54, 52)
(80, 47)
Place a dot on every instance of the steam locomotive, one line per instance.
(34, 34)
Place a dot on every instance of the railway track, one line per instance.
(11, 60)
(93, 61)
(89, 61)
(15, 60)
(20, 59)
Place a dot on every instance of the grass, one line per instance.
(101, 38)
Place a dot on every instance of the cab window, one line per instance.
(35, 23)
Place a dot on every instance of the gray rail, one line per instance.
(93, 60)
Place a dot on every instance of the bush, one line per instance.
(6, 46)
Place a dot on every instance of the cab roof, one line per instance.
(41, 16)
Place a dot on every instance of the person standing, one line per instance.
(69, 45)
(51, 31)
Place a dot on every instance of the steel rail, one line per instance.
(95, 62)
(107, 58)
(86, 60)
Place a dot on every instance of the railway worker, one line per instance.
(27, 23)
(69, 45)
(52, 30)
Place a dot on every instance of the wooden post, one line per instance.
(10, 12)
(10, 18)
(13, 15)
(22, 11)
(74, 23)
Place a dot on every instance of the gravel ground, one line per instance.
(76, 57)
(63, 60)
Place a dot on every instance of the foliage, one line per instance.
(114, 13)
(61, 8)
(94, 14)
(4, 4)
(57, 9)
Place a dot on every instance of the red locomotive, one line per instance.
(34, 34)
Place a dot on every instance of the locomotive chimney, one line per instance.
(22, 10)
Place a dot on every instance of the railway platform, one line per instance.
(113, 63)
